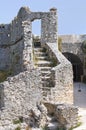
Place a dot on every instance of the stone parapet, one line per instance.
(18, 95)
(62, 76)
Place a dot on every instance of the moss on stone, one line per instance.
(4, 75)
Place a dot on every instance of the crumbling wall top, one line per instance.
(23, 12)
(53, 9)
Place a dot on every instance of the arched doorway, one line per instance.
(36, 27)
(76, 64)
(36, 32)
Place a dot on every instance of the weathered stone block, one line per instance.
(66, 115)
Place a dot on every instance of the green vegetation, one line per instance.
(44, 49)
(60, 44)
(18, 128)
(20, 120)
(78, 124)
(54, 62)
(35, 60)
(16, 121)
(4, 75)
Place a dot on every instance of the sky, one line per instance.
(71, 13)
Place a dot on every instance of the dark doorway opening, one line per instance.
(77, 66)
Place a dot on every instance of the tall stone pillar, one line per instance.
(44, 27)
(52, 36)
(27, 51)
(49, 27)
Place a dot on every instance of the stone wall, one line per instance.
(49, 26)
(73, 38)
(65, 115)
(4, 50)
(73, 44)
(62, 76)
(4, 34)
(18, 95)
(16, 38)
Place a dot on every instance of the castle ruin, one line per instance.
(32, 69)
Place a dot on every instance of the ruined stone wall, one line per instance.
(16, 38)
(49, 26)
(66, 115)
(4, 49)
(73, 44)
(18, 95)
(62, 76)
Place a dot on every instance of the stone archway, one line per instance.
(76, 64)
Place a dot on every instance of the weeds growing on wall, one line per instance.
(18, 128)
(5, 74)
(60, 44)
(78, 124)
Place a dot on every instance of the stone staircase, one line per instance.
(43, 62)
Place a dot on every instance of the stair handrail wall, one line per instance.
(62, 75)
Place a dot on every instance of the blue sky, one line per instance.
(71, 13)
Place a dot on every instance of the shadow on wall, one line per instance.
(76, 64)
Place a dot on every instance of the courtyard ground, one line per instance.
(80, 101)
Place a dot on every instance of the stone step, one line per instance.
(46, 88)
(45, 68)
(43, 63)
(38, 49)
(38, 53)
(45, 73)
(45, 83)
(52, 126)
(45, 78)
(42, 58)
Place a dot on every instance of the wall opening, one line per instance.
(77, 66)
(36, 27)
